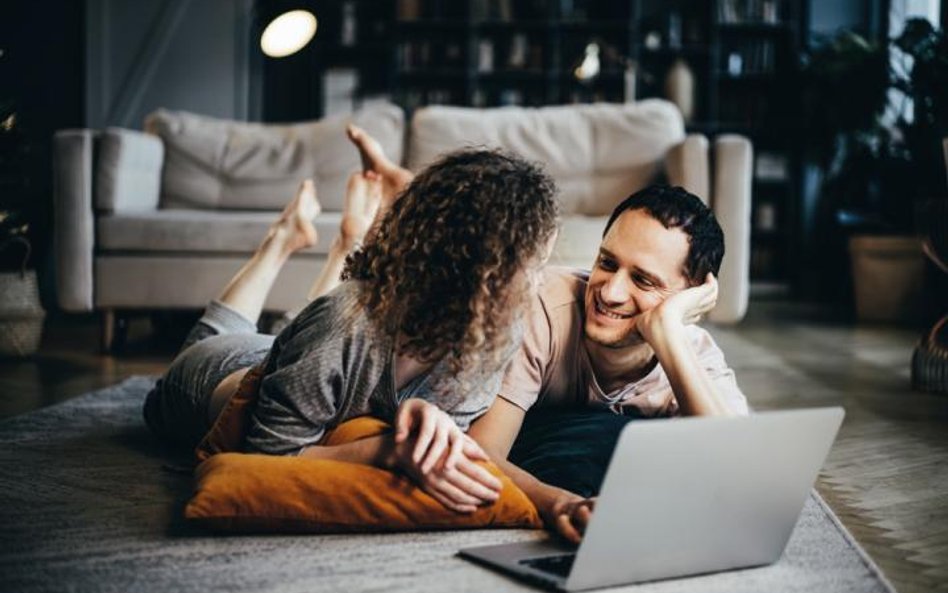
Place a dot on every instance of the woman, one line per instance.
(419, 334)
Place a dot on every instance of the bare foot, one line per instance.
(363, 199)
(294, 229)
(394, 178)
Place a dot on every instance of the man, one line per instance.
(621, 340)
(606, 348)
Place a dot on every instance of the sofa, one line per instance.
(162, 218)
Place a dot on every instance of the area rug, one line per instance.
(89, 502)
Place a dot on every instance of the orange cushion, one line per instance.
(252, 493)
(262, 493)
(227, 432)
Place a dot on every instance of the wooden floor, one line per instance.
(886, 477)
(887, 474)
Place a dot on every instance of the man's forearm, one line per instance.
(693, 389)
(548, 499)
(496, 432)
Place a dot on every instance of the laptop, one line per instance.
(685, 496)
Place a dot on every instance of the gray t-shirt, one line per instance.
(332, 364)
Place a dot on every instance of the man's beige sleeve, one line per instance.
(525, 377)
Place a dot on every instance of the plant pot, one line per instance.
(888, 278)
(21, 315)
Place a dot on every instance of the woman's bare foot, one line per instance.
(359, 212)
(248, 289)
(360, 209)
(394, 179)
(294, 229)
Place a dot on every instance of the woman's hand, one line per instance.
(437, 455)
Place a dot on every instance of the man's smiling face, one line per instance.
(640, 264)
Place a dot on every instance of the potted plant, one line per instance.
(21, 314)
(877, 161)
(927, 136)
(921, 75)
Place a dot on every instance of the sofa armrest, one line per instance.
(733, 167)
(687, 165)
(128, 171)
(73, 222)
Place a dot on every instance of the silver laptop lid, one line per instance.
(693, 495)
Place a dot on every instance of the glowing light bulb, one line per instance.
(288, 33)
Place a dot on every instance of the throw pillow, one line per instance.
(251, 493)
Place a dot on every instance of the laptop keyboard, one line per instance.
(559, 565)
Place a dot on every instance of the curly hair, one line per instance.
(441, 271)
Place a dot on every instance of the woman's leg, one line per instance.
(294, 230)
(394, 179)
(246, 293)
(360, 212)
(224, 342)
(177, 409)
(369, 195)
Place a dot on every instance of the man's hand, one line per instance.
(663, 328)
(682, 308)
(570, 517)
(437, 455)
(394, 178)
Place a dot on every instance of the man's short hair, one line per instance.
(676, 207)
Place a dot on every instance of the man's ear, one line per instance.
(696, 282)
(689, 281)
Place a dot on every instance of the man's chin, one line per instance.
(613, 339)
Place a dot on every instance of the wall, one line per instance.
(41, 74)
(193, 55)
(96, 63)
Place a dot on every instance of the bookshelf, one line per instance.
(741, 56)
(756, 44)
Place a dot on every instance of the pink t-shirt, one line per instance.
(552, 368)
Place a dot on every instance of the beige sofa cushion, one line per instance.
(199, 231)
(222, 164)
(128, 171)
(597, 154)
(577, 244)
(190, 280)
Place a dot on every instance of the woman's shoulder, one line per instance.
(339, 300)
(336, 313)
(332, 327)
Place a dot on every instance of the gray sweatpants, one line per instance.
(222, 341)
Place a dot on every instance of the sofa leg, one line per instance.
(108, 330)
(114, 331)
